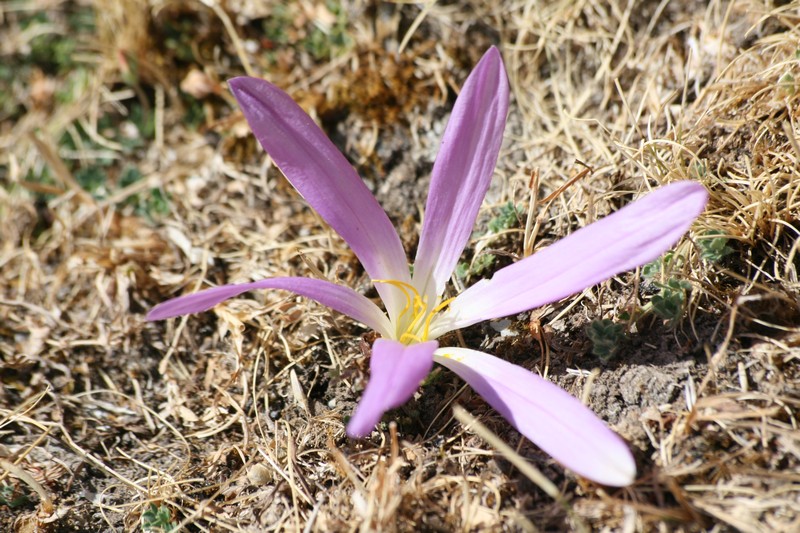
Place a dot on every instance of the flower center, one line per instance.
(414, 322)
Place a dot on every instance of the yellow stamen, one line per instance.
(433, 313)
(405, 336)
(403, 287)
(420, 311)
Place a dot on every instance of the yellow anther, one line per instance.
(404, 288)
(454, 357)
(442, 305)
(420, 310)
(433, 313)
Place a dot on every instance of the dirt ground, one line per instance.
(129, 176)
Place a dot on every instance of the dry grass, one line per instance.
(121, 190)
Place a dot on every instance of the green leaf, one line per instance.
(482, 263)
(157, 518)
(606, 337)
(10, 497)
(715, 248)
(92, 180)
(462, 270)
(653, 269)
(507, 218)
(668, 303)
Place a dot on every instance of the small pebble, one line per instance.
(258, 474)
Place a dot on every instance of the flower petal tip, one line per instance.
(359, 430)
(546, 414)
(396, 371)
(462, 172)
(694, 195)
(154, 314)
(244, 83)
(620, 471)
(493, 53)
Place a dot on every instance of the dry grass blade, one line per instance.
(530, 471)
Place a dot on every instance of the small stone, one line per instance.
(198, 84)
(258, 474)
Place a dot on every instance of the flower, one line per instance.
(416, 314)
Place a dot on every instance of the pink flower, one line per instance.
(416, 315)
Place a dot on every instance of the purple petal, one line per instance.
(342, 299)
(633, 236)
(462, 172)
(322, 175)
(547, 415)
(396, 371)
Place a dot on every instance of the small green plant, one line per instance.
(11, 497)
(195, 115)
(713, 248)
(92, 179)
(606, 337)
(700, 169)
(326, 43)
(480, 264)
(145, 121)
(157, 518)
(157, 203)
(274, 26)
(53, 55)
(177, 37)
(668, 303)
(462, 269)
(508, 217)
(653, 269)
(149, 203)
